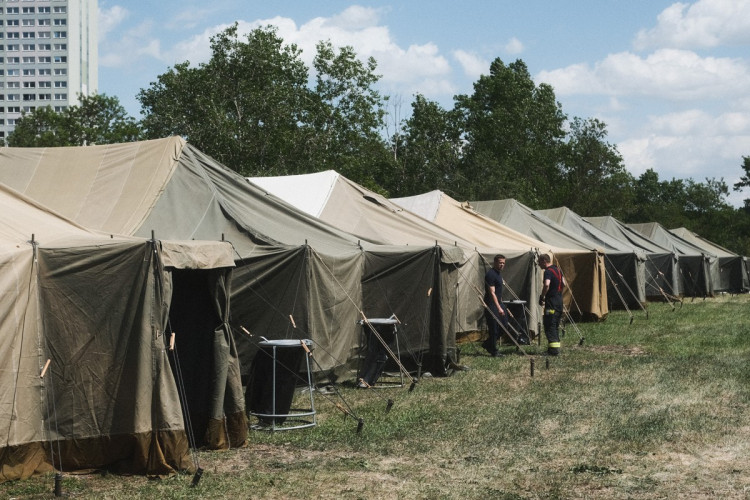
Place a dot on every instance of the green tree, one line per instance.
(744, 181)
(251, 107)
(349, 115)
(596, 181)
(97, 119)
(427, 153)
(245, 107)
(514, 135)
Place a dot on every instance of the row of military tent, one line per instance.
(346, 205)
(86, 319)
(294, 276)
(581, 262)
(730, 272)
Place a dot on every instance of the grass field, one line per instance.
(656, 408)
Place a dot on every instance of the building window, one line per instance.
(45, 46)
(45, 59)
(13, 47)
(29, 85)
(61, 59)
(29, 72)
(28, 34)
(58, 10)
(13, 34)
(14, 60)
(12, 121)
(11, 10)
(14, 109)
(27, 22)
(45, 97)
(14, 97)
(14, 72)
(61, 22)
(43, 10)
(61, 71)
(29, 97)
(28, 10)
(43, 34)
(61, 46)
(61, 97)
(61, 85)
(29, 109)
(29, 46)
(60, 34)
(14, 85)
(44, 71)
(12, 22)
(45, 85)
(29, 59)
(44, 22)
(60, 109)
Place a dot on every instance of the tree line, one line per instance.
(255, 108)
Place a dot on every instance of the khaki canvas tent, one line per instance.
(355, 209)
(87, 376)
(732, 275)
(296, 276)
(662, 272)
(581, 263)
(624, 264)
(698, 269)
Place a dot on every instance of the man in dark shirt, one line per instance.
(495, 312)
(552, 301)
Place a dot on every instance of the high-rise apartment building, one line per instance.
(48, 55)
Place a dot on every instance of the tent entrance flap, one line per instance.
(204, 361)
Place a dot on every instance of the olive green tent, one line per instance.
(729, 270)
(86, 320)
(624, 264)
(662, 273)
(369, 215)
(296, 276)
(582, 263)
(698, 268)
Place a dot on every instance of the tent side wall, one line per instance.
(418, 288)
(115, 401)
(22, 453)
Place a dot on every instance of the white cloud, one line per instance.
(472, 64)
(415, 68)
(514, 46)
(667, 73)
(110, 18)
(129, 49)
(704, 24)
(690, 143)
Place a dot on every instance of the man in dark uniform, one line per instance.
(495, 312)
(552, 301)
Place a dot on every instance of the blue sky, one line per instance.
(670, 80)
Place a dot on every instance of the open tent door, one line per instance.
(204, 361)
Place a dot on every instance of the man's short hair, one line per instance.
(545, 258)
(498, 257)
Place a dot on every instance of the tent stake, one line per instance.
(389, 406)
(58, 484)
(197, 477)
(531, 366)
